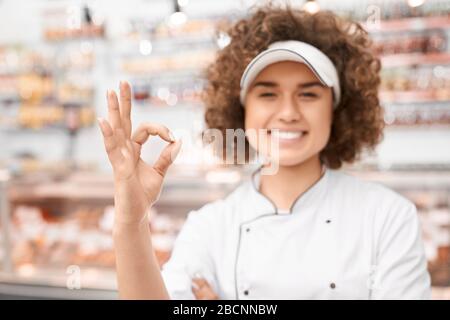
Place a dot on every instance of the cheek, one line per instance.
(257, 114)
(255, 119)
(251, 127)
(251, 115)
(320, 124)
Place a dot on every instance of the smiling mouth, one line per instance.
(288, 135)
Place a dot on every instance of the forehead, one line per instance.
(286, 70)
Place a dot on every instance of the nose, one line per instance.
(289, 110)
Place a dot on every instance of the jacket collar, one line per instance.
(260, 205)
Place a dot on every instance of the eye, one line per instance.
(267, 94)
(308, 94)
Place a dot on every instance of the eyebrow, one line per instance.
(271, 84)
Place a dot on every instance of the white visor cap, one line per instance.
(298, 51)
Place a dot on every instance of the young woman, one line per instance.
(305, 231)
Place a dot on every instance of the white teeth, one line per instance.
(288, 135)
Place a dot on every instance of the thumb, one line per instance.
(167, 157)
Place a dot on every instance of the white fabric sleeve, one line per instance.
(191, 255)
(401, 266)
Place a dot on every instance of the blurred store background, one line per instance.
(57, 58)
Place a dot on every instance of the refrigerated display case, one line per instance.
(56, 231)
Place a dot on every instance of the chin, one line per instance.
(290, 160)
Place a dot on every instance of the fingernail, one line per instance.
(107, 94)
(171, 136)
(100, 120)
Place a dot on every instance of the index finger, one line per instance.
(147, 129)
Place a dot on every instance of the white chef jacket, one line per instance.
(344, 238)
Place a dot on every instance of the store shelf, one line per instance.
(409, 24)
(41, 130)
(423, 96)
(167, 75)
(418, 127)
(11, 290)
(23, 130)
(183, 192)
(411, 59)
(166, 44)
(90, 278)
(86, 32)
(408, 179)
(53, 287)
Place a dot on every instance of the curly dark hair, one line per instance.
(358, 119)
